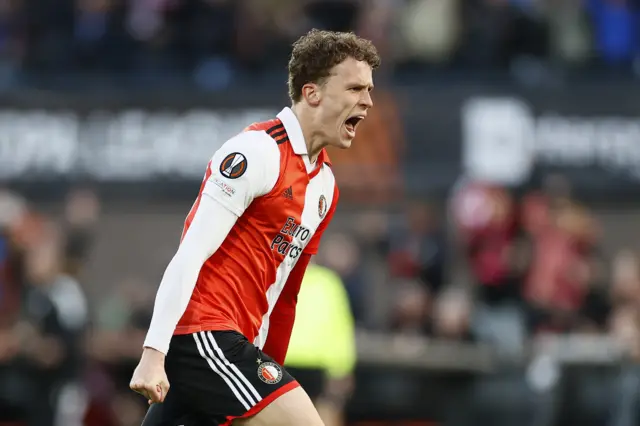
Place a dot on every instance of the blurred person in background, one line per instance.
(208, 32)
(50, 332)
(265, 32)
(12, 399)
(569, 32)
(334, 15)
(562, 270)
(496, 256)
(446, 315)
(149, 25)
(12, 40)
(625, 300)
(486, 228)
(503, 34)
(625, 288)
(323, 316)
(82, 210)
(615, 24)
(114, 348)
(376, 21)
(624, 327)
(566, 286)
(13, 212)
(452, 316)
(417, 248)
(411, 308)
(484, 31)
(49, 36)
(431, 31)
(370, 231)
(99, 39)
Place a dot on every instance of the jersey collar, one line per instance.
(296, 138)
(294, 131)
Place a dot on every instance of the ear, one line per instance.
(312, 94)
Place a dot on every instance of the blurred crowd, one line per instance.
(65, 358)
(214, 42)
(488, 265)
(492, 265)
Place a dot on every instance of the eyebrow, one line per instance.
(362, 86)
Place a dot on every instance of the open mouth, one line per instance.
(351, 123)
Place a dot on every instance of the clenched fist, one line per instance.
(149, 378)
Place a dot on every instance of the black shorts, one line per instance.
(312, 380)
(216, 377)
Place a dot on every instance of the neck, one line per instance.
(313, 138)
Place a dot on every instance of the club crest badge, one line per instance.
(322, 207)
(269, 372)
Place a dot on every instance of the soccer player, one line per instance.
(225, 308)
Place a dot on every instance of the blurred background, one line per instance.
(483, 267)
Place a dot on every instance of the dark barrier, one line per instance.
(586, 396)
(588, 133)
(420, 140)
(565, 381)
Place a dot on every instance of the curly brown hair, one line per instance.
(317, 52)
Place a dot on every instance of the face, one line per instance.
(342, 101)
(42, 263)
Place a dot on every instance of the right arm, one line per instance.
(202, 239)
(210, 226)
(245, 167)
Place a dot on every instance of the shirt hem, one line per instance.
(212, 326)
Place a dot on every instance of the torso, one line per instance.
(239, 284)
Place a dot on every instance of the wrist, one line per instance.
(152, 355)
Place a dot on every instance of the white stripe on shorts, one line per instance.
(224, 368)
(224, 377)
(233, 367)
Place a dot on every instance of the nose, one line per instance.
(365, 99)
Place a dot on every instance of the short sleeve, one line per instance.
(244, 168)
(314, 244)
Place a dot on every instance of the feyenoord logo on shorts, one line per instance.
(233, 166)
(269, 373)
(322, 207)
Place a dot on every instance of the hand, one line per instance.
(149, 378)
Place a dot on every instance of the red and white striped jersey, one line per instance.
(283, 204)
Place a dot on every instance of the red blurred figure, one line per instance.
(486, 224)
(564, 236)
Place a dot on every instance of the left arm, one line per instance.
(284, 313)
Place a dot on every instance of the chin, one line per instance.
(345, 143)
(342, 143)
